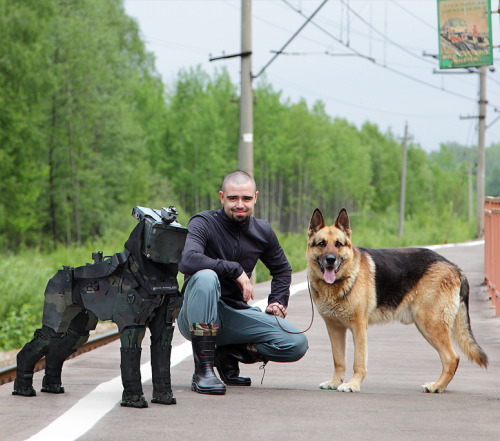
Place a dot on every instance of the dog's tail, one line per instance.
(462, 331)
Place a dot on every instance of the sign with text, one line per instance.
(464, 33)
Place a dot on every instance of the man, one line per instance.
(222, 248)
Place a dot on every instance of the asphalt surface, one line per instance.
(284, 401)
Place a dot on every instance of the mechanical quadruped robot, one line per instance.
(135, 288)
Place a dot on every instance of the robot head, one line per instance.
(163, 238)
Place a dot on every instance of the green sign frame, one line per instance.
(464, 28)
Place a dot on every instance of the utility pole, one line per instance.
(480, 184)
(245, 151)
(480, 172)
(402, 196)
(470, 193)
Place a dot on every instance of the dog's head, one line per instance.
(329, 248)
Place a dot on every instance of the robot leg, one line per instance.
(130, 366)
(27, 358)
(160, 368)
(74, 338)
(58, 310)
(162, 332)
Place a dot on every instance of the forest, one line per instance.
(88, 130)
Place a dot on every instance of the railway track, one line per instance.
(8, 373)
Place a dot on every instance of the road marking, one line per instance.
(454, 245)
(80, 418)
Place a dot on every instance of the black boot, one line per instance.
(160, 369)
(204, 380)
(245, 353)
(227, 366)
(131, 378)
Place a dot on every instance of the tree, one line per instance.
(24, 75)
(84, 114)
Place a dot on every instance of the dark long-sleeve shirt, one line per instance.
(217, 242)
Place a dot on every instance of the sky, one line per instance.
(366, 60)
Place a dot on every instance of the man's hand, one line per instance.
(276, 309)
(246, 287)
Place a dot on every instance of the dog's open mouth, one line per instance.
(330, 270)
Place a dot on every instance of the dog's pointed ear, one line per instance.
(342, 222)
(317, 222)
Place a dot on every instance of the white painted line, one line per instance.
(454, 245)
(87, 412)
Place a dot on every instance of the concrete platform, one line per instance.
(287, 405)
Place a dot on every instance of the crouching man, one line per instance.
(221, 251)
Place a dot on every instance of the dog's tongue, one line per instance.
(329, 276)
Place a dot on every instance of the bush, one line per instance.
(19, 325)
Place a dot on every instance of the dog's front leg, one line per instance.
(337, 336)
(359, 335)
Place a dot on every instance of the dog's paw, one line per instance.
(431, 388)
(349, 387)
(329, 385)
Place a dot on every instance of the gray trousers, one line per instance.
(202, 304)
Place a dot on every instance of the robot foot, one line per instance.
(163, 398)
(23, 391)
(133, 400)
(52, 387)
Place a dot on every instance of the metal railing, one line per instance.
(492, 250)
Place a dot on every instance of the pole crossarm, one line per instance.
(241, 54)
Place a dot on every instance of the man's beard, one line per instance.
(240, 218)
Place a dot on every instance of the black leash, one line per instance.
(312, 314)
(263, 367)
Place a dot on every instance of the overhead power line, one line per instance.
(383, 35)
(332, 54)
(322, 29)
(290, 39)
(413, 15)
(385, 66)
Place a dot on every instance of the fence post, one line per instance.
(492, 250)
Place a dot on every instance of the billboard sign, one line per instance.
(464, 33)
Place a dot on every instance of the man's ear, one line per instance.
(221, 196)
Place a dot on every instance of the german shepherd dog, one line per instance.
(355, 287)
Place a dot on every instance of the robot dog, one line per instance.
(135, 288)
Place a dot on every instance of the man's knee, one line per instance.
(290, 349)
(203, 288)
(299, 347)
(206, 279)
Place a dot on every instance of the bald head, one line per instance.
(238, 178)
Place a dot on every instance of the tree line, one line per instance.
(88, 130)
